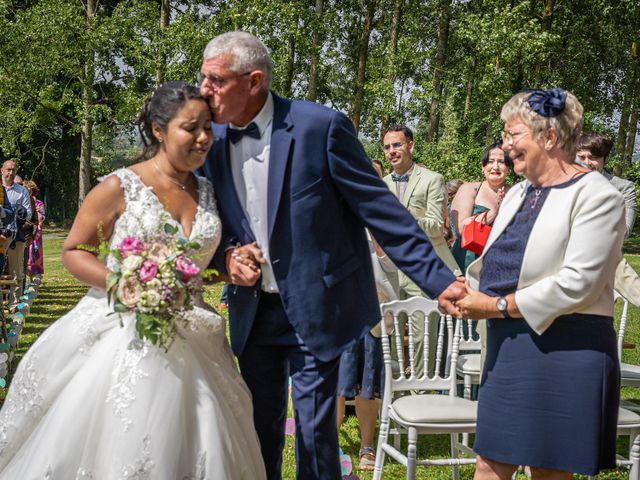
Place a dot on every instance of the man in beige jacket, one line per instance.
(422, 192)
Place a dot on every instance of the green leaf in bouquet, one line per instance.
(170, 229)
(120, 307)
(192, 245)
(209, 274)
(112, 280)
(87, 247)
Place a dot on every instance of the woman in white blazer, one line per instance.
(550, 387)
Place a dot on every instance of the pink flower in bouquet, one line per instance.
(131, 246)
(148, 270)
(186, 267)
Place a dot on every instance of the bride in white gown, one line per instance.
(85, 403)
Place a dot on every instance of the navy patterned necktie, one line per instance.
(399, 178)
(236, 135)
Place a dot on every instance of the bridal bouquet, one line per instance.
(155, 279)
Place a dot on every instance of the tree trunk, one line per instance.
(633, 124)
(470, 82)
(438, 69)
(363, 50)
(316, 44)
(627, 102)
(547, 17)
(162, 60)
(84, 181)
(291, 63)
(393, 67)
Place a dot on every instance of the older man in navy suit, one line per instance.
(295, 191)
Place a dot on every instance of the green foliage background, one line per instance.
(493, 49)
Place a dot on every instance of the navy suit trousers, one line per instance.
(274, 351)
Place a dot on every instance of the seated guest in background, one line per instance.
(593, 150)
(21, 202)
(550, 388)
(477, 197)
(422, 192)
(35, 259)
(360, 373)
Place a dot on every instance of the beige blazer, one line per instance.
(425, 198)
(572, 253)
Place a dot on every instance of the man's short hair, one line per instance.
(408, 134)
(247, 53)
(598, 145)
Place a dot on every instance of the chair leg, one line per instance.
(412, 452)
(383, 436)
(634, 455)
(455, 469)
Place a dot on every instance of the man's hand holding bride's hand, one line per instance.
(448, 299)
(476, 305)
(243, 264)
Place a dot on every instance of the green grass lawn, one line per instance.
(60, 292)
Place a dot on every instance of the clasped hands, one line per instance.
(243, 264)
(461, 301)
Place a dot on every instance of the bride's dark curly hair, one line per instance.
(160, 108)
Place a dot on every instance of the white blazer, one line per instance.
(571, 256)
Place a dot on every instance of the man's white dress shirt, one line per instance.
(250, 169)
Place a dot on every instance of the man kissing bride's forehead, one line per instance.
(296, 192)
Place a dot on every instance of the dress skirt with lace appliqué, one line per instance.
(88, 401)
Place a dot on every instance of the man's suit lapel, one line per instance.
(413, 183)
(226, 188)
(281, 140)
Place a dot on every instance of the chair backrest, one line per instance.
(622, 327)
(445, 357)
(469, 338)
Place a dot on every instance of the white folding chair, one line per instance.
(468, 366)
(629, 425)
(629, 373)
(422, 413)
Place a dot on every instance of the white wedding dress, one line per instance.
(88, 403)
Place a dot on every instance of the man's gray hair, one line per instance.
(247, 53)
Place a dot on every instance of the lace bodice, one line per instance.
(144, 214)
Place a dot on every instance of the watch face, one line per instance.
(502, 304)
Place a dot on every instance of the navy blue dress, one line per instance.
(550, 400)
(361, 371)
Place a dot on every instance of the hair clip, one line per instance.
(547, 103)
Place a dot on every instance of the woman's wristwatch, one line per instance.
(503, 307)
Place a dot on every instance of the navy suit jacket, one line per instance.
(322, 193)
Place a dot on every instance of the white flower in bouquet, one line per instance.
(158, 252)
(129, 291)
(131, 264)
(150, 299)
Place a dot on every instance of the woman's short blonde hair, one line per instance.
(568, 123)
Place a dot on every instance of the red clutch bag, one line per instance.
(476, 234)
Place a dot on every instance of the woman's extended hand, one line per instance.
(477, 305)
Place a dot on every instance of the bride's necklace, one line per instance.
(183, 186)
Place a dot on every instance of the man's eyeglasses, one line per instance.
(217, 82)
(509, 137)
(395, 145)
